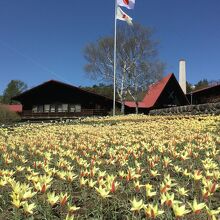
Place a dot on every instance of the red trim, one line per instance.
(13, 108)
(126, 2)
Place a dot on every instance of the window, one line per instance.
(72, 108)
(78, 108)
(65, 107)
(52, 108)
(62, 108)
(59, 108)
(34, 109)
(40, 108)
(46, 108)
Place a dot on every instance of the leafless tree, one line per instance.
(137, 64)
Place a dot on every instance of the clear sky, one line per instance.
(44, 39)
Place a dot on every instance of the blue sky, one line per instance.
(44, 39)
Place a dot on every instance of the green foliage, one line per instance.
(15, 87)
(189, 87)
(202, 84)
(117, 112)
(107, 90)
(7, 117)
(101, 89)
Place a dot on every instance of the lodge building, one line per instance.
(210, 94)
(54, 99)
(162, 94)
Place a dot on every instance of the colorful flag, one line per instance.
(123, 16)
(126, 3)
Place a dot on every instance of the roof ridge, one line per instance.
(63, 83)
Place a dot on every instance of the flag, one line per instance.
(126, 3)
(123, 16)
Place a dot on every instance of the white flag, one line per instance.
(123, 16)
(126, 3)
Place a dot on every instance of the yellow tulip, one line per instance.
(70, 176)
(83, 181)
(137, 205)
(154, 173)
(149, 193)
(72, 208)
(180, 211)
(152, 211)
(182, 191)
(3, 182)
(196, 207)
(212, 213)
(28, 194)
(52, 198)
(168, 199)
(137, 185)
(197, 175)
(16, 200)
(28, 208)
(104, 193)
(63, 198)
(92, 183)
(20, 168)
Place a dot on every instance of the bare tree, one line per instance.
(141, 76)
(136, 60)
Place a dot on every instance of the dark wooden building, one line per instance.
(55, 99)
(207, 95)
(165, 93)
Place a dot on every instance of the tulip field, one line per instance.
(123, 167)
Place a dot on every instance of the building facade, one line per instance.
(207, 95)
(162, 94)
(55, 99)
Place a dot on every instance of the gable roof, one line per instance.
(58, 83)
(152, 94)
(155, 91)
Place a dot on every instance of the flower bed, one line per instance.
(126, 167)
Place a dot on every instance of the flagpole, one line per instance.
(115, 47)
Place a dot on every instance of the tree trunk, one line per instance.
(136, 107)
(136, 96)
(122, 91)
(123, 107)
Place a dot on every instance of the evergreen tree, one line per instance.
(14, 87)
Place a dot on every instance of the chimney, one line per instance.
(182, 75)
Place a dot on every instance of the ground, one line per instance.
(125, 167)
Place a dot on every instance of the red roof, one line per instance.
(14, 108)
(152, 94)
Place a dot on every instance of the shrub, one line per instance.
(7, 116)
(117, 112)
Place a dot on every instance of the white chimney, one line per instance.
(182, 75)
